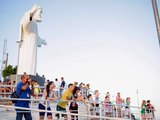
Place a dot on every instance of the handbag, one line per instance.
(14, 95)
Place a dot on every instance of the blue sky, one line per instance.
(110, 44)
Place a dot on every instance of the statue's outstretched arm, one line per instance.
(41, 41)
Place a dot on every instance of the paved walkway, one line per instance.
(10, 114)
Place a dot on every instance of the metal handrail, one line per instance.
(55, 101)
(67, 113)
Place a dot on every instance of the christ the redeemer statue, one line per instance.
(29, 41)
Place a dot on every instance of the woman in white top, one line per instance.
(96, 95)
(48, 94)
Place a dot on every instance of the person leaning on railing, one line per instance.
(48, 94)
(62, 104)
(107, 106)
(24, 92)
(91, 104)
(127, 107)
(74, 105)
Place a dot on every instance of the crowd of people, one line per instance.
(59, 91)
(5, 87)
(147, 110)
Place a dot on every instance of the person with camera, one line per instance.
(23, 91)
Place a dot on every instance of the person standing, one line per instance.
(143, 110)
(91, 104)
(62, 86)
(149, 110)
(45, 84)
(96, 99)
(24, 92)
(127, 107)
(57, 84)
(36, 90)
(119, 103)
(87, 89)
(32, 86)
(107, 106)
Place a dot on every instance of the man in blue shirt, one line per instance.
(23, 91)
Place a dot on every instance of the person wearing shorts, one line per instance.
(48, 94)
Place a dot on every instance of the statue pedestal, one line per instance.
(39, 79)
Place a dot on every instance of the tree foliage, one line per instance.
(9, 70)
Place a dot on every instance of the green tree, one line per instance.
(15, 70)
(9, 70)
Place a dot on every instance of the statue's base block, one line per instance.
(40, 80)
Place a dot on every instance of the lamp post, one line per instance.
(138, 101)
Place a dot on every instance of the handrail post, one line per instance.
(130, 113)
(60, 116)
(46, 105)
(116, 111)
(104, 109)
(31, 103)
(88, 105)
(100, 111)
(121, 109)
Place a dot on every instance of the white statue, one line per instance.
(29, 41)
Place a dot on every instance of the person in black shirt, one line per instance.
(62, 85)
(73, 105)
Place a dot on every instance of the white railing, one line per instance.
(82, 115)
(103, 112)
(87, 115)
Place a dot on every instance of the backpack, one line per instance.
(14, 95)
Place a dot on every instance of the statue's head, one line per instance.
(35, 13)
